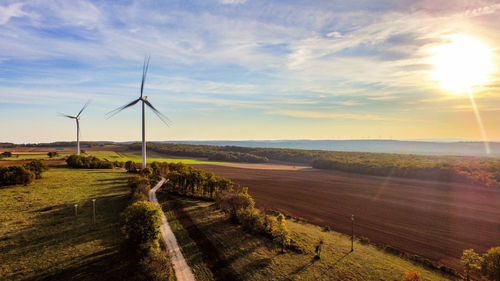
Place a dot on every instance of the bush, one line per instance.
(87, 162)
(15, 175)
(471, 262)
(412, 276)
(37, 167)
(156, 266)
(280, 233)
(131, 167)
(141, 223)
(52, 154)
(7, 154)
(490, 266)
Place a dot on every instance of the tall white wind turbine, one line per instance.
(77, 118)
(144, 100)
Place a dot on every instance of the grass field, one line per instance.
(112, 156)
(151, 157)
(41, 239)
(32, 156)
(256, 258)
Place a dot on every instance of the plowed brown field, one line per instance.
(433, 219)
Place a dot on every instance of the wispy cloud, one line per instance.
(232, 2)
(328, 115)
(13, 10)
(320, 60)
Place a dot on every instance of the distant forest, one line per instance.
(483, 171)
(464, 169)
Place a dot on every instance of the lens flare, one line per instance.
(462, 63)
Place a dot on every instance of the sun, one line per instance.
(462, 63)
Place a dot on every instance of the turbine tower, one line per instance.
(77, 118)
(144, 100)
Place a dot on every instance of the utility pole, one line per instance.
(352, 233)
(93, 211)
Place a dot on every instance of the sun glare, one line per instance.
(462, 63)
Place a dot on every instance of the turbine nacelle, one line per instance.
(145, 103)
(77, 118)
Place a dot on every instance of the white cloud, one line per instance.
(327, 115)
(334, 34)
(11, 11)
(232, 2)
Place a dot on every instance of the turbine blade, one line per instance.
(145, 67)
(160, 115)
(83, 108)
(65, 115)
(114, 112)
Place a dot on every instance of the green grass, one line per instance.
(151, 157)
(257, 258)
(188, 246)
(40, 237)
(33, 156)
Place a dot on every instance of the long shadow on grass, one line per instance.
(109, 264)
(219, 266)
(340, 259)
(57, 230)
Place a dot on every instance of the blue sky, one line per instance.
(235, 69)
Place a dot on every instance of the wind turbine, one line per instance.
(144, 100)
(77, 118)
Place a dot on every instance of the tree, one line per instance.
(52, 154)
(146, 172)
(130, 167)
(141, 223)
(471, 262)
(490, 266)
(412, 276)
(37, 167)
(7, 154)
(280, 232)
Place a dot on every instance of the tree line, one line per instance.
(483, 171)
(487, 265)
(213, 153)
(472, 170)
(141, 222)
(87, 162)
(184, 180)
(22, 174)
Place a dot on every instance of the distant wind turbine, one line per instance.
(145, 102)
(77, 118)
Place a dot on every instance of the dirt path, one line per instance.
(182, 270)
(219, 266)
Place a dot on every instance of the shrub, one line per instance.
(88, 162)
(471, 262)
(141, 223)
(146, 172)
(156, 266)
(15, 175)
(7, 154)
(131, 167)
(412, 276)
(37, 167)
(138, 196)
(251, 220)
(280, 233)
(490, 266)
(52, 154)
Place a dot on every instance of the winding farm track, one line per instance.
(433, 219)
(182, 270)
